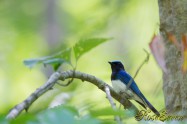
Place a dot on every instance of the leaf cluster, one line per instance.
(80, 48)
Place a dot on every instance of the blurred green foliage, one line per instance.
(32, 29)
(66, 115)
(61, 114)
(58, 59)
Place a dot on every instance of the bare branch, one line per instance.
(107, 90)
(70, 81)
(15, 111)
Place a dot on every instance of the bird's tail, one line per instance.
(150, 106)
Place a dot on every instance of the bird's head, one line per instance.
(116, 66)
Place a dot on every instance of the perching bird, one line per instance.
(123, 83)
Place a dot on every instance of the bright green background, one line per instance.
(23, 34)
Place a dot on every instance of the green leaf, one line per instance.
(23, 119)
(86, 45)
(107, 112)
(54, 60)
(3, 120)
(88, 120)
(31, 62)
(64, 115)
(65, 54)
(55, 116)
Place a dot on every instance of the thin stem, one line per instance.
(113, 105)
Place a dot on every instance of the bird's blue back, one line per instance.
(125, 78)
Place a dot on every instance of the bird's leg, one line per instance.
(125, 95)
(122, 93)
(121, 101)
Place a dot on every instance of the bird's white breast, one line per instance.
(120, 87)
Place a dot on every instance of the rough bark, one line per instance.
(173, 19)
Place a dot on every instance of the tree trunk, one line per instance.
(173, 20)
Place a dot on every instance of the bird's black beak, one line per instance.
(110, 63)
